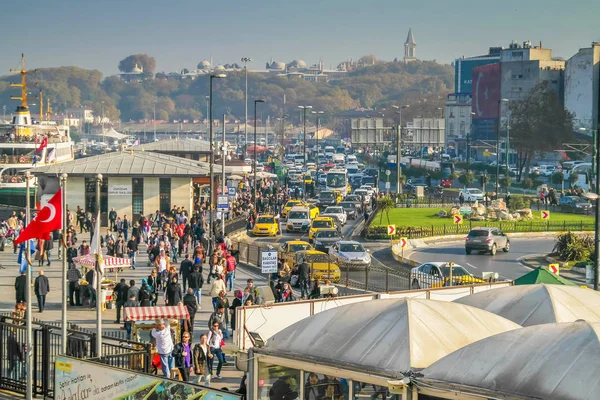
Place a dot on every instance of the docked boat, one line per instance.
(25, 144)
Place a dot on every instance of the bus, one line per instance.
(447, 168)
(337, 179)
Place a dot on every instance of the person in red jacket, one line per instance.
(231, 266)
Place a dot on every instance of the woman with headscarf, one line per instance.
(174, 292)
(145, 294)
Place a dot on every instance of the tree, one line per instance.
(527, 184)
(505, 181)
(573, 178)
(385, 204)
(466, 178)
(144, 61)
(538, 123)
(557, 178)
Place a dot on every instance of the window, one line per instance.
(90, 196)
(137, 195)
(164, 193)
(278, 382)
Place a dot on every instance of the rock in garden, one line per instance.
(442, 214)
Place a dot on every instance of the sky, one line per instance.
(97, 34)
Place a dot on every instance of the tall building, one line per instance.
(410, 47)
(463, 69)
(582, 80)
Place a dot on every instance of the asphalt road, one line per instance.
(505, 264)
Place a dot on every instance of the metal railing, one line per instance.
(46, 346)
(417, 232)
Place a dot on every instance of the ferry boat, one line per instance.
(25, 144)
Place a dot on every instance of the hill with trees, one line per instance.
(379, 85)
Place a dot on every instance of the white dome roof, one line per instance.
(298, 64)
(204, 64)
(219, 68)
(277, 65)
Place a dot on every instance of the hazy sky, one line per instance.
(180, 33)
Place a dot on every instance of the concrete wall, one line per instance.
(518, 78)
(181, 193)
(151, 195)
(581, 87)
(75, 193)
(121, 203)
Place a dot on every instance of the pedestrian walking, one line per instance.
(132, 302)
(215, 343)
(161, 332)
(73, 276)
(182, 353)
(120, 292)
(42, 288)
(202, 359)
(21, 287)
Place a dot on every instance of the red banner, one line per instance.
(486, 91)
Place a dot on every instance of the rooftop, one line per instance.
(175, 146)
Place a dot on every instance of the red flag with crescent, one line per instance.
(48, 219)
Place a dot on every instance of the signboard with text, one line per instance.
(268, 262)
(119, 190)
(222, 202)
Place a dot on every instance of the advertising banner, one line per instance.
(78, 379)
(486, 91)
(463, 73)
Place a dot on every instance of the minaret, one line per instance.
(410, 47)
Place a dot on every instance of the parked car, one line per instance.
(471, 195)
(437, 274)
(350, 253)
(487, 240)
(575, 204)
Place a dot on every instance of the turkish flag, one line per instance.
(43, 145)
(48, 219)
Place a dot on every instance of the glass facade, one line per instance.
(137, 197)
(165, 194)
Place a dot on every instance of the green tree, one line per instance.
(539, 123)
(505, 181)
(385, 204)
(573, 179)
(527, 183)
(466, 178)
(144, 61)
(557, 178)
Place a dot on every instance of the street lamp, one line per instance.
(398, 149)
(469, 140)
(254, 167)
(246, 60)
(212, 159)
(317, 113)
(304, 109)
(498, 145)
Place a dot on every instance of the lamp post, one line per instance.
(223, 182)
(398, 148)
(282, 120)
(507, 144)
(469, 140)
(28, 319)
(254, 161)
(211, 233)
(318, 113)
(246, 60)
(65, 282)
(98, 276)
(304, 109)
(154, 122)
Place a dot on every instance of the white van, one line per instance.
(339, 159)
(298, 219)
(351, 159)
(329, 151)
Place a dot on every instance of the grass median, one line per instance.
(426, 217)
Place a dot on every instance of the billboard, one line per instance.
(78, 379)
(463, 72)
(486, 91)
(484, 129)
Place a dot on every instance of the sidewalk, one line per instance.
(86, 317)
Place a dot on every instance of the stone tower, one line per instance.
(410, 47)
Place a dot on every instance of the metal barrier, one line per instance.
(47, 345)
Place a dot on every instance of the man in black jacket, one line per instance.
(189, 301)
(196, 281)
(120, 291)
(132, 250)
(185, 269)
(21, 287)
(174, 293)
(112, 217)
(42, 287)
(304, 278)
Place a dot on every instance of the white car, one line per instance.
(471, 195)
(350, 254)
(437, 274)
(370, 189)
(364, 194)
(336, 212)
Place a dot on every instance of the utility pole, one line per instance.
(154, 122)
(224, 191)
(304, 108)
(318, 114)
(213, 198)
(596, 134)
(254, 166)
(245, 60)
(399, 149)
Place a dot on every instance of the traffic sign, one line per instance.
(545, 214)
(486, 153)
(222, 202)
(458, 219)
(403, 242)
(268, 262)
(391, 230)
(387, 185)
(554, 268)
(388, 172)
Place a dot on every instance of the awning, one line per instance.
(109, 261)
(150, 313)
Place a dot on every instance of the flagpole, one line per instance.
(29, 318)
(65, 285)
(98, 276)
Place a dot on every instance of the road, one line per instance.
(505, 264)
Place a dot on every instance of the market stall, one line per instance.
(110, 264)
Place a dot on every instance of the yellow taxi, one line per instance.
(321, 266)
(320, 223)
(313, 211)
(288, 206)
(290, 248)
(266, 225)
(308, 179)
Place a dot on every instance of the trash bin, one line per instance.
(589, 273)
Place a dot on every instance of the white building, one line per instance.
(582, 79)
(410, 47)
(84, 114)
(457, 121)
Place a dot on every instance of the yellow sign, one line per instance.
(458, 219)
(554, 268)
(486, 153)
(391, 230)
(545, 214)
(403, 242)
(63, 366)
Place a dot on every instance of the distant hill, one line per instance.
(379, 85)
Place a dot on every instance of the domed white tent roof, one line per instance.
(538, 304)
(385, 337)
(550, 362)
